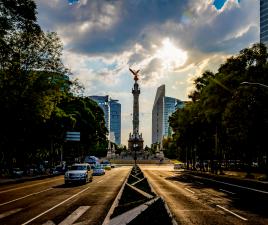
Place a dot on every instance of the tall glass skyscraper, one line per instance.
(264, 22)
(103, 102)
(158, 115)
(162, 110)
(112, 116)
(115, 120)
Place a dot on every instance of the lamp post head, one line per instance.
(254, 83)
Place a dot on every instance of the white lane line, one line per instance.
(41, 214)
(25, 196)
(234, 185)
(240, 217)
(31, 185)
(5, 214)
(75, 215)
(189, 190)
(99, 181)
(227, 191)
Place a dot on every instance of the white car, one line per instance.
(79, 173)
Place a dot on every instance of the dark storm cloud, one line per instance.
(129, 20)
(108, 27)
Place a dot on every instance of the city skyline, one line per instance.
(171, 42)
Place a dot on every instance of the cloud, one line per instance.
(103, 38)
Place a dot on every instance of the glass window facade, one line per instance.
(115, 120)
(264, 21)
(162, 110)
(112, 116)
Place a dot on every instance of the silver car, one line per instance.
(79, 173)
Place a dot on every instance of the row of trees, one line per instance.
(39, 102)
(226, 118)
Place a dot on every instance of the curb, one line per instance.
(145, 209)
(116, 201)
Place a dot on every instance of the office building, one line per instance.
(163, 108)
(115, 121)
(103, 102)
(112, 116)
(264, 22)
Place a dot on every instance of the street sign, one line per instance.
(72, 136)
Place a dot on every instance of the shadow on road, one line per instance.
(245, 199)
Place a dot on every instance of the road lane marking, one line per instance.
(75, 215)
(99, 181)
(227, 191)
(5, 214)
(189, 190)
(25, 196)
(41, 214)
(240, 217)
(234, 185)
(31, 185)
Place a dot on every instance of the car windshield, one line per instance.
(78, 167)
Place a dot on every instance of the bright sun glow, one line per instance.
(171, 56)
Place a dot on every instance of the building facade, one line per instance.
(103, 102)
(112, 116)
(115, 121)
(158, 115)
(163, 108)
(264, 22)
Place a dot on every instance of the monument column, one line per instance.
(135, 139)
(136, 93)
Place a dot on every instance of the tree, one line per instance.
(223, 118)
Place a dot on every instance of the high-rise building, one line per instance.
(103, 102)
(112, 116)
(264, 22)
(158, 115)
(171, 104)
(115, 121)
(162, 110)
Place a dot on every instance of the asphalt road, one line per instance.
(50, 202)
(194, 200)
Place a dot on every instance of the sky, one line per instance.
(171, 41)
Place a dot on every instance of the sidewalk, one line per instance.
(4, 181)
(242, 175)
(235, 177)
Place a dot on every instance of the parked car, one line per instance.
(106, 165)
(17, 172)
(58, 170)
(79, 173)
(178, 166)
(98, 170)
